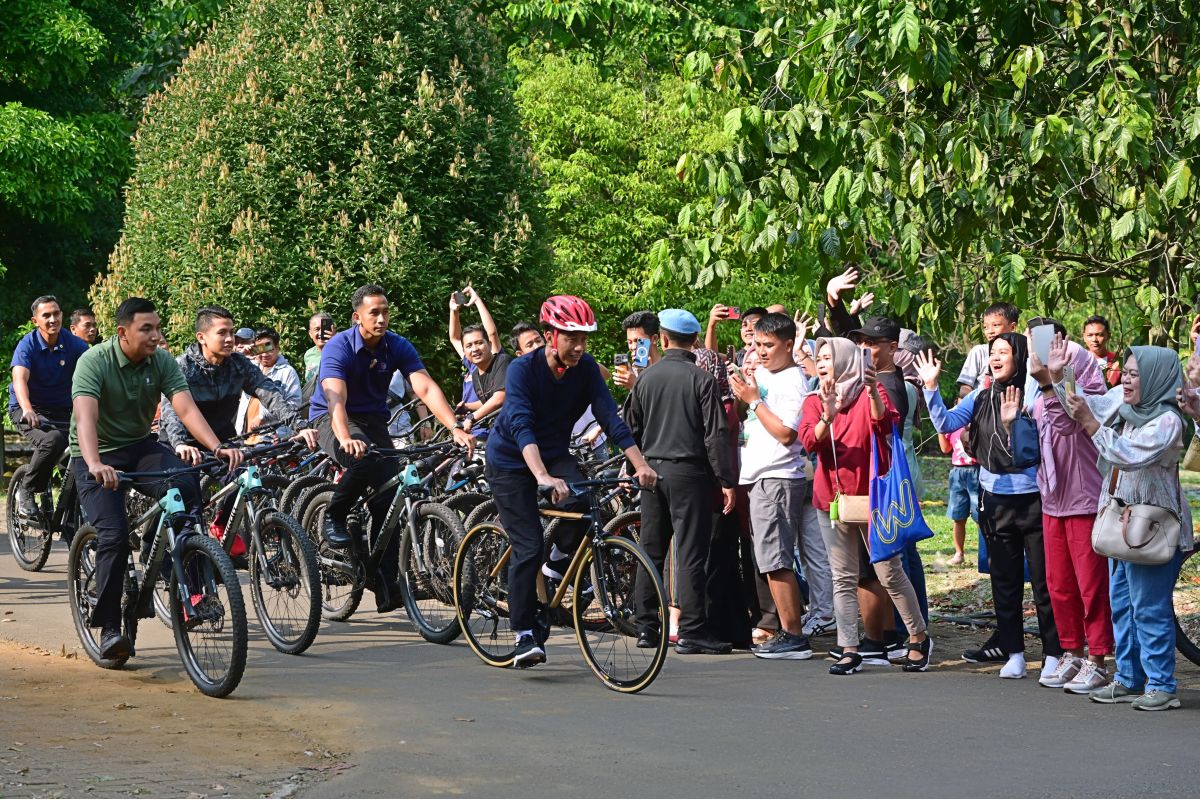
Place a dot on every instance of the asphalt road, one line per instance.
(422, 719)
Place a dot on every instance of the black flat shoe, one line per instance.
(115, 645)
(921, 664)
(844, 667)
(648, 639)
(388, 597)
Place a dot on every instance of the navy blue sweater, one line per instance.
(540, 409)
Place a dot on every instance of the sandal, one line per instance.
(921, 664)
(760, 635)
(843, 667)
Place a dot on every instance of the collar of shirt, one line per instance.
(679, 354)
(122, 359)
(357, 342)
(59, 344)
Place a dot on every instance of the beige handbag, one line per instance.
(1191, 459)
(853, 509)
(1139, 533)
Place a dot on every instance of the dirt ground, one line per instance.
(65, 734)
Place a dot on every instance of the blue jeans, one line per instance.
(1144, 622)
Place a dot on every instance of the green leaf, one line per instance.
(789, 184)
(916, 178)
(1123, 226)
(733, 122)
(1011, 276)
(831, 243)
(1179, 179)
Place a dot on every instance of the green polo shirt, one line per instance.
(128, 393)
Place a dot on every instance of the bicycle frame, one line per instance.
(248, 486)
(163, 512)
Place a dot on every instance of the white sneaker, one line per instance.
(815, 625)
(1015, 668)
(1068, 668)
(1049, 666)
(1090, 677)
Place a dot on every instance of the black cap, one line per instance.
(878, 328)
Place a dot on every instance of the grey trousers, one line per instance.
(846, 543)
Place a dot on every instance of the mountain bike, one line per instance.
(31, 536)
(208, 613)
(429, 533)
(1186, 600)
(596, 596)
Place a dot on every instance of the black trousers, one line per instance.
(680, 506)
(515, 492)
(104, 509)
(362, 474)
(728, 613)
(48, 446)
(1012, 526)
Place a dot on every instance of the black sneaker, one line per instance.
(556, 568)
(709, 647)
(25, 505)
(784, 645)
(336, 535)
(989, 653)
(649, 639)
(529, 653)
(873, 652)
(114, 644)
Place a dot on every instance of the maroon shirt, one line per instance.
(852, 431)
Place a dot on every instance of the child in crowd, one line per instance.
(962, 498)
(998, 318)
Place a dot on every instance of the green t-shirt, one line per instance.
(128, 393)
(312, 362)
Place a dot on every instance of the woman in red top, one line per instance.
(850, 405)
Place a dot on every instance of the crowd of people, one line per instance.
(756, 463)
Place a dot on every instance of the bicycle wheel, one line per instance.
(481, 594)
(29, 541)
(212, 642)
(285, 584)
(610, 650)
(428, 589)
(1186, 599)
(81, 589)
(484, 512)
(463, 503)
(292, 493)
(339, 597)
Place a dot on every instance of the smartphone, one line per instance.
(1043, 336)
(641, 354)
(1069, 379)
(326, 329)
(733, 365)
(734, 313)
(868, 359)
(621, 360)
(460, 298)
(260, 348)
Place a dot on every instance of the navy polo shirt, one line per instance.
(367, 373)
(50, 368)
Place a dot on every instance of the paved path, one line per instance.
(428, 720)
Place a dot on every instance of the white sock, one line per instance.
(1050, 664)
(524, 633)
(556, 554)
(1015, 668)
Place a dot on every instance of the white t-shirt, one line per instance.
(977, 365)
(764, 456)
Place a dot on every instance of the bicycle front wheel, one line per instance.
(604, 587)
(427, 572)
(285, 584)
(29, 542)
(481, 594)
(1186, 599)
(212, 639)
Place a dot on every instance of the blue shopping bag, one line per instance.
(895, 520)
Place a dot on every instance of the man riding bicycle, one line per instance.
(349, 408)
(548, 389)
(42, 366)
(115, 391)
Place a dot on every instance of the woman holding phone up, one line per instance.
(1010, 514)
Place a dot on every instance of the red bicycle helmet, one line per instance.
(566, 312)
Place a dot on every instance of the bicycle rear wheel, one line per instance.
(81, 589)
(484, 512)
(285, 584)
(481, 594)
(292, 493)
(428, 589)
(28, 538)
(1186, 599)
(212, 642)
(339, 597)
(463, 503)
(610, 649)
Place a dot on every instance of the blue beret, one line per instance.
(678, 320)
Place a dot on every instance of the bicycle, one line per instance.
(285, 580)
(31, 537)
(595, 597)
(1186, 602)
(430, 534)
(208, 613)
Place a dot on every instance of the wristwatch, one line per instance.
(754, 404)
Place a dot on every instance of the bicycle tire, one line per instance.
(81, 574)
(338, 603)
(484, 512)
(223, 618)
(292, 565)
(480, 600)
(29, 551)
(1186, 602)
(429, 594)
(611, 651)
(627, 524)
(276, 484)
(463, 503)
(296, 488)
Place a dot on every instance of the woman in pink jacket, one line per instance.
(1069, 481)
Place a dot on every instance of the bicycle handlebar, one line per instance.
(127, 477)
